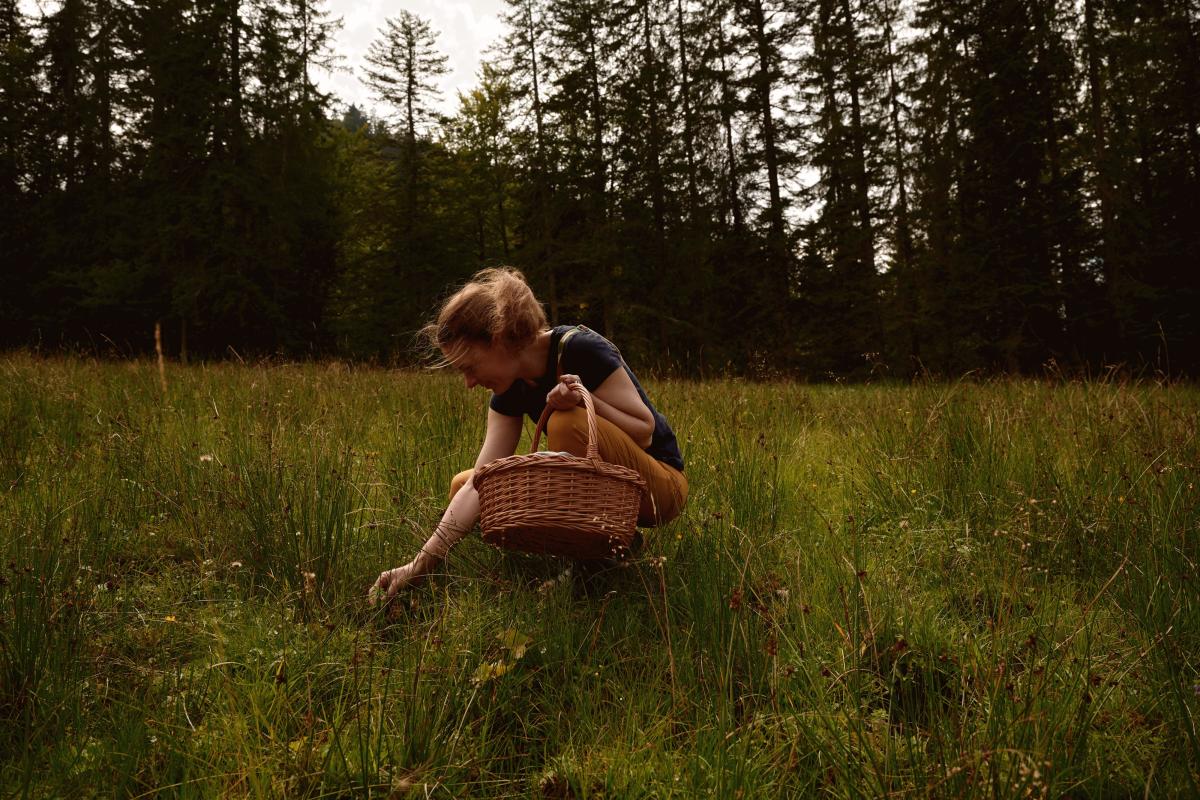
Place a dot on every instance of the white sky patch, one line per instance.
(465, 30)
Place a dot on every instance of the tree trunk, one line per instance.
(905, 260)
(553, 294)
(533, 69)
(689, 147)
(865, 250)
(410, 94)
(72, 11)
(657, 192)
(764, 87)
(102, 76)
(735, 205)
(1190, 66)
(304, 53)
(501, 217)
(234, 124)
(183, 344)
(541, 180)
(1056, 217)
(1114, 277)
(600, 174)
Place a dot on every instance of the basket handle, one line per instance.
(593, 450)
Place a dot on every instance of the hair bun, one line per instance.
(496, 307)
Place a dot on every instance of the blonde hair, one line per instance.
(496, 307)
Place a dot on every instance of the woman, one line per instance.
(494, 332)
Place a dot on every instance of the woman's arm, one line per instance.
(503, 433)
(616, 399)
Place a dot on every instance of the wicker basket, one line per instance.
(558, 503)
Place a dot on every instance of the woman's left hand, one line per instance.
(567, 394)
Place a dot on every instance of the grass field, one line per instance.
(950, 589)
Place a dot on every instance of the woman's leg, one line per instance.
(667, 487)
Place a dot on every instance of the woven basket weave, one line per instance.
(560, 504)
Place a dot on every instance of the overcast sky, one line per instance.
(465, 28)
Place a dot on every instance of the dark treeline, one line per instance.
(823, 187)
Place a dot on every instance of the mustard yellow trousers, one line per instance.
(567, 431)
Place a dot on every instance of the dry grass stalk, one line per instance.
(162, 367)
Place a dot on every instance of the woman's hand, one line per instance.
(393, 580)
(567, 394)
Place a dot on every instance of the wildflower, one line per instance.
(169, 618)
(206, 457)
(912, 491)
(1121, 498)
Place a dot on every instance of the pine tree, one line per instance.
(584, 252)
(18, 166)
(403, 66)
(902, 332)
(1144, 117)
(949, 288)
(762, 29)
(522, 58)
(845, 78)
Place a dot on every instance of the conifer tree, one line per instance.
(846, 140)
(579, 60)
(403, 66)
(19, 154)
(522, 58)
(763, 29)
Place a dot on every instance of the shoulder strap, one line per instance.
(562, 342)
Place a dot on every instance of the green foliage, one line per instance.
(970, 589)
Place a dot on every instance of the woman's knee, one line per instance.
(567, 431)
(459, 481)
(657, 511)
(663, 502)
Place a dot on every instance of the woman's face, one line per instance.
(490, 366)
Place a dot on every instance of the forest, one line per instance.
(821, 189)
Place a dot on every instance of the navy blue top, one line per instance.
(593, 358)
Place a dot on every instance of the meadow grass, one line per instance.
(945, 589)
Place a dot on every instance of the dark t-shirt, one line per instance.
(593, 358)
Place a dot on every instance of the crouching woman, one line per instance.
(494, 331)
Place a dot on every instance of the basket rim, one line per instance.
(557, 461)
